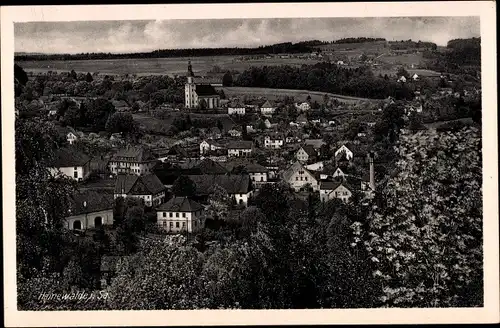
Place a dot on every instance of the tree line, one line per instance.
(324, 77)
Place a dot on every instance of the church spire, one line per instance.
(190, 69)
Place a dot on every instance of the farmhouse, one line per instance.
(71, 163)
(273, 141)
(305, 153)
(304, 107)
(180, 214)
(299, 177)
(132, 160)
(89, 209)
(147, 187)
(239, 148)
(207, 146)
(267, 108)
(199, 95)
(329, 190)
(238, 186)
(236, 108)
(343, 151)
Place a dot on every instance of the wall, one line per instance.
(239, 152)
(258, 177)
(82, 172)
(87, 221)
(298, 180)
(131, 167)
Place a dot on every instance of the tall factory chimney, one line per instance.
(372, 171)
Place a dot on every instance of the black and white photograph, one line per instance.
(317, 162)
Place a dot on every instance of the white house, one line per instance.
(240, 148)
(71, 163)
(267, 108)
(207, 146)
(318, 166)
(329, 190)
(237, 110)
(402, 79)
(89, 209)
(273, 141)
(304, 106)
(132, 160)
(348, 153)
(415, 77)
(180, 214)
(299, 177)
(305, 153)
(338, 173)
(146, 187)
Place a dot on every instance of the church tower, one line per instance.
(190, 88)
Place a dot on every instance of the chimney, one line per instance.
(372, 171)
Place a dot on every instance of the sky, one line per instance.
(137, 36)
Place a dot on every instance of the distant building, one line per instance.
(120, 105)
(306, 153)
(132, 160)
(240, 148)
(236, 108)
(147, 187)
(329, 190)
(267, 108)
(238, 186)
(180, 214)
(275, 141)
(298, 177)
(304, 106)
(207, 146)
(89, 209)
(71, 163)
(200, 95)
(344, 151)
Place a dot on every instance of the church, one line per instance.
(200, 95)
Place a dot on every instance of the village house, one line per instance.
(316, 143)
(238, 186)
(402, 79)
(344, 151)
(306, 153)
(301, 119)
(274, 141)
(236, 108)
(303, 107)
(70, 163)
(329, 190)
(240, 148)
(234, 133)
(267, 108)
(318, 166)
(146, 187)
(258, 173)
(338, 173)
(298, 177)
(207, 146)
(132, 160)
(180, 214)
(89, 209)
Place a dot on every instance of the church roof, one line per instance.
(205, 90)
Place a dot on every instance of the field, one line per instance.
(153, 66)
(298, 95)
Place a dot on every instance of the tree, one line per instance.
(219, 203)
(403, 72)
(20, 75)
(121, 123)
(184, 187)
(73, 75)
(89, 78)
(425, 237)
(227, 79)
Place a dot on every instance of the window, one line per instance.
(183, 224)
(76, 168)
(261, 178)
(77, 225)
(177, 224)
(306, 178)
(75, 174)
(164, 214)
(171, 225)
(164, 224)
(170, 214)
(176, 215)
(183, 215)
(296, 178)
(98, 222)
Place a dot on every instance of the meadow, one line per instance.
(298, 95)
(153, 66)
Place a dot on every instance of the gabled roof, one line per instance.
(94, 201)
(301, 118)
(268, 104)
(309, 149)
(205, 90)
(316, 143)
(180, 204)
(134, 154)
(138, 185)
(233, 184)
(297, 166)
(65, 157)
(240, 144)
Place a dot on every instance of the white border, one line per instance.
(484, 9)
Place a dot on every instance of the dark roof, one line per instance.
(134, 154)
(204, 166)
(138, 185)
(316, 143)
(205, 90)
(240, 144)
(65, 157)
(180, 204)
(95, 202)
(309, 149)
(233, 184)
